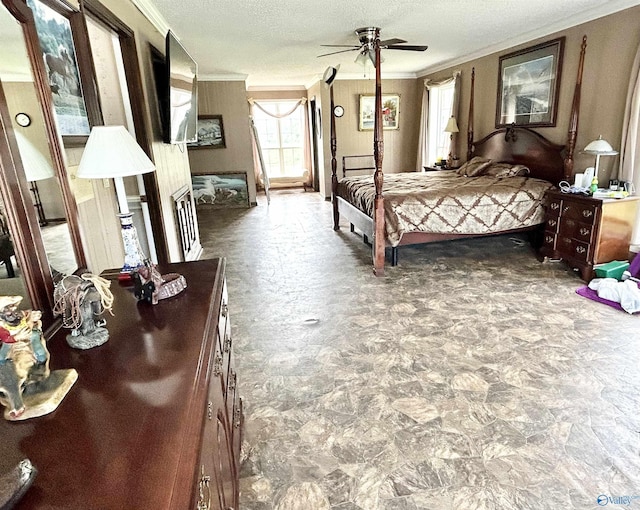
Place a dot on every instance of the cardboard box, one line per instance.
(613, 269)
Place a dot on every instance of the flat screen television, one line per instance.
(176, 85)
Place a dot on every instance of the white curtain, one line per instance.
(629, 170)
(423, 137)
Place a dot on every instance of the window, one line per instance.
(440, 109)
(282, 139)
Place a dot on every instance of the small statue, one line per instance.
(152, 286)
(27, 387)
(81, 300)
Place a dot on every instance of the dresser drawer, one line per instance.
(576, 229)
(585, 212)
(554, 206)
(573, 249)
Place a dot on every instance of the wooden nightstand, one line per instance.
(584, 231)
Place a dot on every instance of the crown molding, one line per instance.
(149, 11)
(275, 88)
(222, 77)
(607, 8)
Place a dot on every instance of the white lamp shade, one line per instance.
(601, 147)
(452, 126)
(36, 166)
(111, 151)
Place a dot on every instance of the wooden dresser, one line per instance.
(154, 420)
(584, 231)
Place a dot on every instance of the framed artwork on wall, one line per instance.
(390, 111)
(220, 190)
(210, 133)
(56, 37)
(528, 85)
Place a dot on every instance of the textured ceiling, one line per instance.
(277, 42)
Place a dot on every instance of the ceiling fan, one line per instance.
(368, 36)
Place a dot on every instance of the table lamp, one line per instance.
(599, 147)
(111, 152)
(452, 127)
(36, 168)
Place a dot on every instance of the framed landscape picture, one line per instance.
(528, 85)
(210, 133)
(390, 111)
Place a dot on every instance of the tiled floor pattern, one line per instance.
(471, 376)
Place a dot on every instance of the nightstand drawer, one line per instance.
(579, 211)
(573, 249)
(554, 207)
(577, 230)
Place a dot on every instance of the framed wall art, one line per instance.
(56, 33)
(210, 133)
(528, 85)
(390, 111)
(220, 190)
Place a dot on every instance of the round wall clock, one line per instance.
(338, 111)
(23, 119)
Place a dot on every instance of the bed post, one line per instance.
(575, 113)
(334, 163)
(470, 123)
(378, 177)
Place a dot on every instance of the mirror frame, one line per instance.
(21, 214)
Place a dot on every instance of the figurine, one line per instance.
(151, 286)
(81, 300)
(27, 387)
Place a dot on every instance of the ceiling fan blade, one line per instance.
(341, 51)
(407, 47)
(390, 42)
(340, 45)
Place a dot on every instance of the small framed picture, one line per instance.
(390, 111)
(210, 133)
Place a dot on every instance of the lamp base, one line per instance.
(133, 256)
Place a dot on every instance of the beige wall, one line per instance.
(229, 99)
(612, 42)
(400, 146)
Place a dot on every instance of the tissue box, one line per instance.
(613, 269)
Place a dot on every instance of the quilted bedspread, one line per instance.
(444, 202)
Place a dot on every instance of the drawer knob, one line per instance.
(210, 410)
(232, 381)
(584, 231)
(587, 213)
(566, 240)
(204, 491)
(548, 239)
(580, 249)
(237, 418)
(552, 223)
(225, 309)
(555, 205)
(227, 342)
(565, 209)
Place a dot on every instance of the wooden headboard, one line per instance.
(522, 146)
(519, 145)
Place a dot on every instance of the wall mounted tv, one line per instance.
(176, 85)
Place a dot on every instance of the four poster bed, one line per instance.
(499, 190)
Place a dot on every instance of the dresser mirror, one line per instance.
(39, 235)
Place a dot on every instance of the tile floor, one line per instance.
(471, 376)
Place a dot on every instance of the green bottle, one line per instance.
(594, 185)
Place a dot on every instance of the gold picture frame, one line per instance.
(390, 112)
